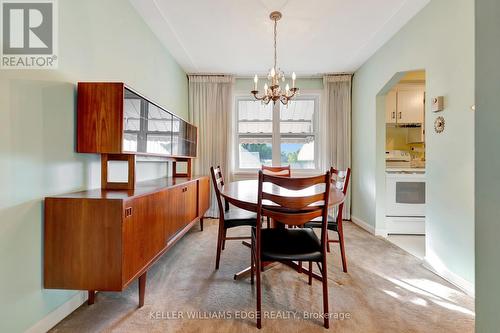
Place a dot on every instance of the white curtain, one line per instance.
(337, 118)
(210, 105)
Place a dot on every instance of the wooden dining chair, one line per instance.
(283, 171)
(297, 244)
(340, 178)
(229, 217)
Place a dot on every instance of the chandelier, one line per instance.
(273, 91)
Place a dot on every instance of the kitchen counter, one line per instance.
(405, 170)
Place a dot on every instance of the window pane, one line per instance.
(253, 155)
(254, 117)
(297, 117)
(298, 152)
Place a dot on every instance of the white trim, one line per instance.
(368, 227)
(363, 224)
(430, 262)
(435, 265)
(51, 320)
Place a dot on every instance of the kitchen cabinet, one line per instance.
(405, 104)
(391, 107)
(410, 105)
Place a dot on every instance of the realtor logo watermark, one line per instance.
(29, 34)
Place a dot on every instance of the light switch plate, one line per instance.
(437, 104)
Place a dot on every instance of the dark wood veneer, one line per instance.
(100, 117)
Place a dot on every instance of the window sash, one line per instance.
(276, 136)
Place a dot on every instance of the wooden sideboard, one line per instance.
(102, 240)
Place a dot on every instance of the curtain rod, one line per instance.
(208, 74)
(313, 76)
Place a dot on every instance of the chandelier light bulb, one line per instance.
(265, 88)
(287, 88)
(255, 80)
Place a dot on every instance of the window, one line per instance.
(276, 134)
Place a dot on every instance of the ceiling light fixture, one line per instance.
(273, 91)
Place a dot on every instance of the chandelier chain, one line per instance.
(275, 52)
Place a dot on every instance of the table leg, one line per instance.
(296, 267)
(243, 274)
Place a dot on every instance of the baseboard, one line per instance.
(435, 265)
(59, 314)
(431, 261)
(368, 227)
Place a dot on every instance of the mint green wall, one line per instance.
(440, 40)
(98, 40)
(487, 166)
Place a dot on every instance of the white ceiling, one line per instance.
(236, 36)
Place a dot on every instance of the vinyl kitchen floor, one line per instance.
(413, 244)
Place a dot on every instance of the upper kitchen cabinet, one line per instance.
(405, 104)
(391, 107)
(410, 103)
(114, 119)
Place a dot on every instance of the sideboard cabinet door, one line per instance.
(143, 231)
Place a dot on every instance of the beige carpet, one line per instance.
(386, 290)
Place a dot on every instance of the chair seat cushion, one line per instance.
(236, 217)
(289, 244)
(317, 223)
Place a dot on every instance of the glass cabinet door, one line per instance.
(152, 130)
(159, 131)
(132, 115)
(175, 135)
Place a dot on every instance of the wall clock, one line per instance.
(439, 124)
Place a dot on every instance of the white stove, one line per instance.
(405, 194)
(397, 159)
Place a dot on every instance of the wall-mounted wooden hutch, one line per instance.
(103, 239)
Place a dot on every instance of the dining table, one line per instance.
(243, 194)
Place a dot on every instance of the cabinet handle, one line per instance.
(393, 115)
(184, 189)
(400, 115)
(128, 211)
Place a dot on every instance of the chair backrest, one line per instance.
(218, 181)
(294, 201)
(340, 178)
(283, 171)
